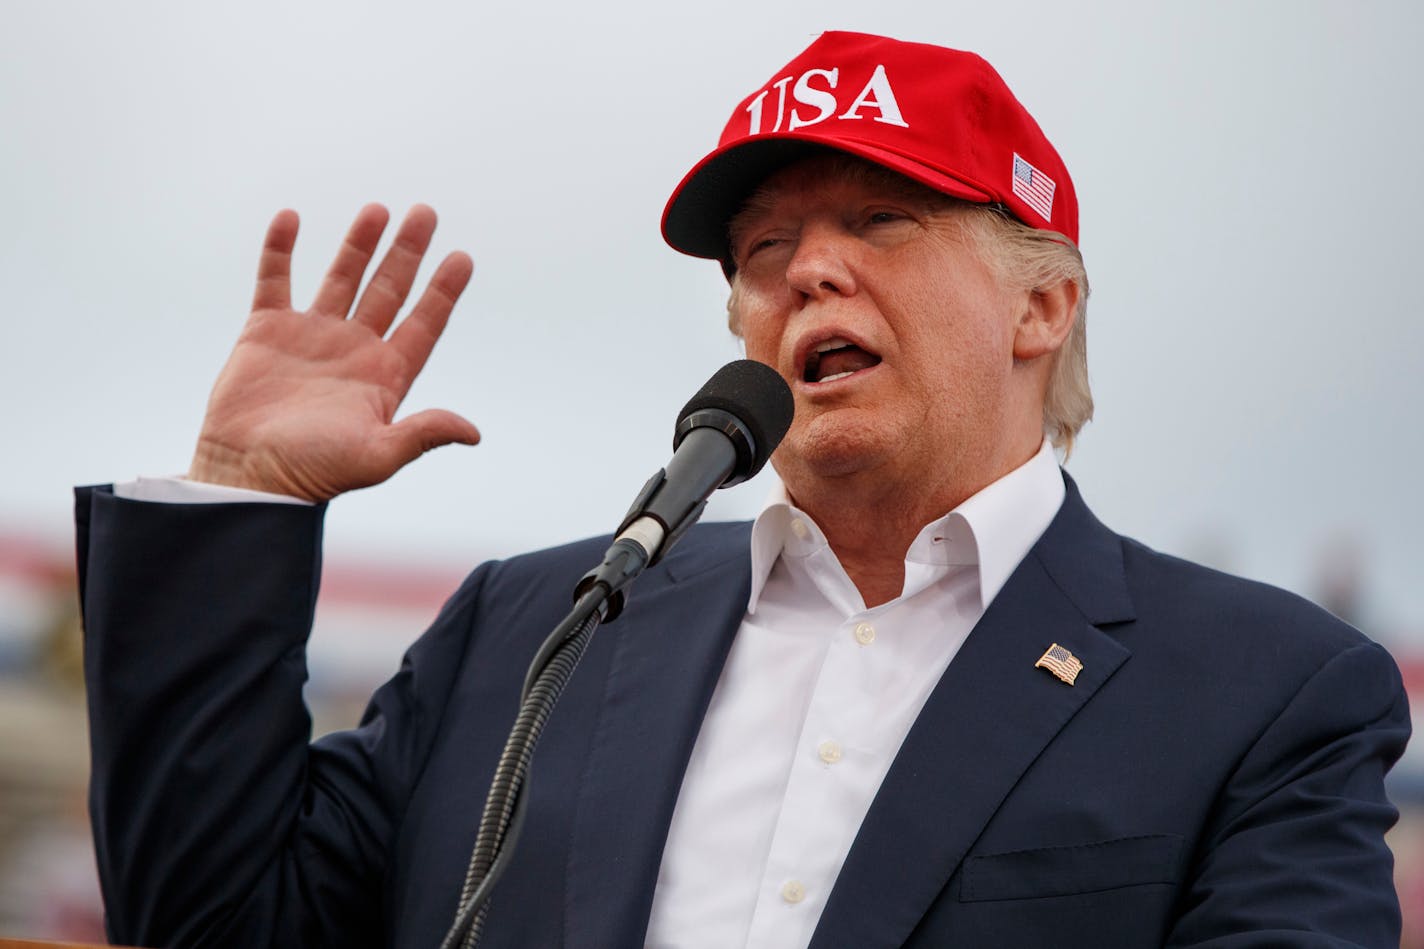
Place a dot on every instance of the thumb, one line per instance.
(414, 435)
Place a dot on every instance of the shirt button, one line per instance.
(792, 891)
(829, 751)
(864, 634)
(799, 528)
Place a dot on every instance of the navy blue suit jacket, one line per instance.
(1214, 777)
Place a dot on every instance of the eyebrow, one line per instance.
(759, 204)
(849, 171)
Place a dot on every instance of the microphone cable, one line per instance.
(503, 816)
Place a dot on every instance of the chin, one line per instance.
(837, 444)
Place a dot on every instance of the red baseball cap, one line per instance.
(940, 116)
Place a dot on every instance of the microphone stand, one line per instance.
(503, 815)
(598, 598)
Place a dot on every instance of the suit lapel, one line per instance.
(990, 716)
(670, 646)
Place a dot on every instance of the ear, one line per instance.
(734, 306)
(1046, 320)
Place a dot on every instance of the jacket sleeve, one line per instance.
(215, 823)
(1296, 854)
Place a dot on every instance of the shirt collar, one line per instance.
(994, 529)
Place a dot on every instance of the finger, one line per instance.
(386, 292)
(417, 334)
(274, 268)
(413, 436)
(343, 278)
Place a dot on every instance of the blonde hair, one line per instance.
(1029, 258)
(1024, 257)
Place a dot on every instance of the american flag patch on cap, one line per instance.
(1034, 187)
(1060, 662)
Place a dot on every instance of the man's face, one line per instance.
(867, 293)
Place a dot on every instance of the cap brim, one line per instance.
(696, 217)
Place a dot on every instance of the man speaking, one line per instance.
(924, 699)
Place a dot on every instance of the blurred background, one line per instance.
(1249, 221)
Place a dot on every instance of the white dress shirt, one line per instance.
(817, 695)
(815, 699)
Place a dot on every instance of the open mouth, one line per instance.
(836, 358)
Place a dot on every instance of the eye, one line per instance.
(884, 217)
(760, 243)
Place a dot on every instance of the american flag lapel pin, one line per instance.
(1061, 663)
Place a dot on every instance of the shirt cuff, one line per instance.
(179, 490)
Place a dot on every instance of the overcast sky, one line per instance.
(1247, 172)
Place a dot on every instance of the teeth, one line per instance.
(839, 375)
(835, 342)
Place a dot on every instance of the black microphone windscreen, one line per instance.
(754, 393)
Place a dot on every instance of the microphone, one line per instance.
(724, 435)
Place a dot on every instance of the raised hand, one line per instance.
(304, 406)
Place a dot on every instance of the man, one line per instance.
(926, 699)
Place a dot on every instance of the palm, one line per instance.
(305, 404)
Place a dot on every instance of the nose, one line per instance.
(821, 265)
